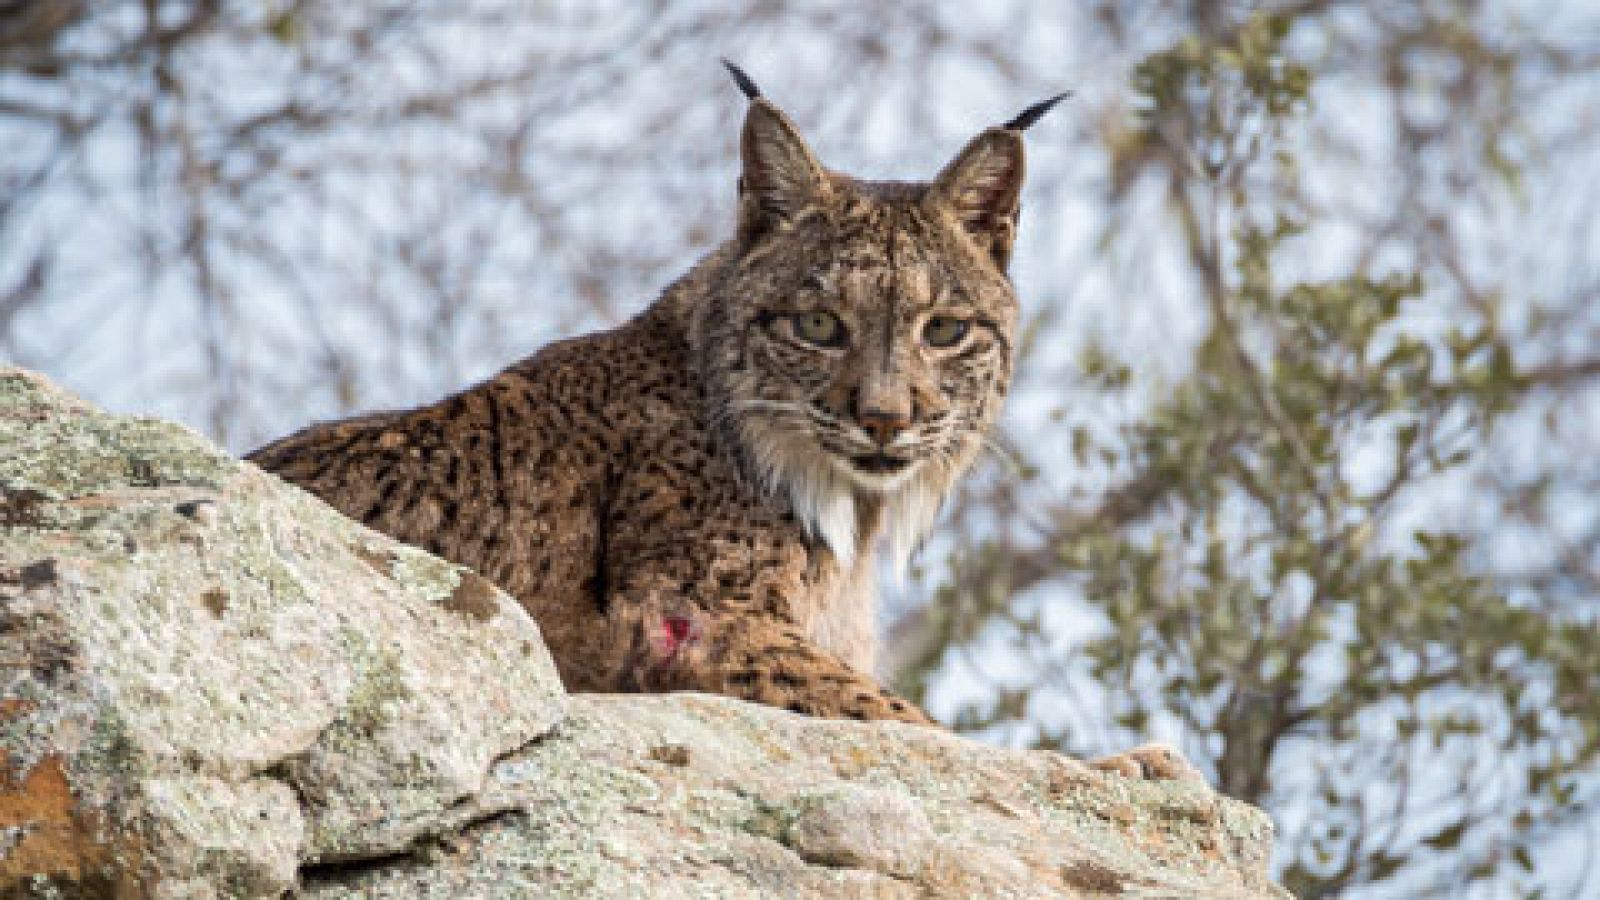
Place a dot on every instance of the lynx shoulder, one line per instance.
(692, 500)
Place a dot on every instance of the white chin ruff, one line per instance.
(822, 491)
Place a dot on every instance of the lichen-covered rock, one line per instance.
(862, 828)
(208, 678)
(211, 685)
(690, 795)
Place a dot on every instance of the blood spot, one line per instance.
(678, 628)
(677, 631)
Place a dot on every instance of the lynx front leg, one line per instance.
(757, 657)
(1150, 762)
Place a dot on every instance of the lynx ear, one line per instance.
(982, 186)
(780, 176)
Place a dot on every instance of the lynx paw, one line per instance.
(1151, 762)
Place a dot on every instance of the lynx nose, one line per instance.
(882, 415)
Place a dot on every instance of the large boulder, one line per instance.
(209, 679)
(212, 685)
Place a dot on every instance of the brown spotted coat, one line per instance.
(691, 501)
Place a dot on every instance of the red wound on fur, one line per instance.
(679, 631)
(678, 628)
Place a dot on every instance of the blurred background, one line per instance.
(1302, 471)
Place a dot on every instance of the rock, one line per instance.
(861, 828)
(209, 679)
(767, 803)
(211, 685)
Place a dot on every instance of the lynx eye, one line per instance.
(821, 328)
(944, 331)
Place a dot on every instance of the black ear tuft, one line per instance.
(742, 80)
(1034, 113)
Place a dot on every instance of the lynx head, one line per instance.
(858, 338)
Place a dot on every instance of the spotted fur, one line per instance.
(691, 501)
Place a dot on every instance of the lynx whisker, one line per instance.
(1005, 455)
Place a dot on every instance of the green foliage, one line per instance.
(1188, 75)
(1267, 590)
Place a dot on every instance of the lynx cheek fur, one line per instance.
(691, 501)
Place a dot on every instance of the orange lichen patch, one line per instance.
(57, 839)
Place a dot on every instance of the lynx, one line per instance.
(693, 500)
